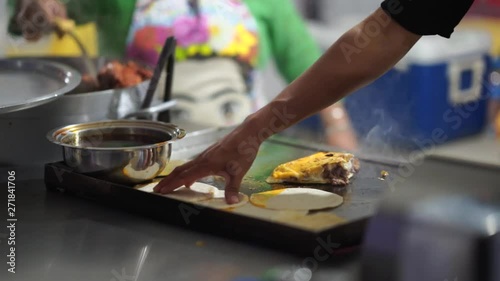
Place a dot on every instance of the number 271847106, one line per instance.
(11, 196)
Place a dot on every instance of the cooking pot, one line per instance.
(122, 151)
(23, 139)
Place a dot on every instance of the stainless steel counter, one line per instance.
(59, 237)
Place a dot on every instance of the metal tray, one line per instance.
(361, 197)
(29, 82)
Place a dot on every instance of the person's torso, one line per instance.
(216, 55)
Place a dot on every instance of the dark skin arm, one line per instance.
(33, 18)
(331, 78)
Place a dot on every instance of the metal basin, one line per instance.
(23, 132)
(122, 151)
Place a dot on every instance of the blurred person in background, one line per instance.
(401, 25)
(220, 46)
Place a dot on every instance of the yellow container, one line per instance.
(51, 45)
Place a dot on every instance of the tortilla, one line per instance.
(296, 199)
(196, 193)
(250, 210)
(218, 201)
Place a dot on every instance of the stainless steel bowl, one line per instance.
(121, 151)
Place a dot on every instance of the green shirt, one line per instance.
(282, 33)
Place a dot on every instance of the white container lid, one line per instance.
(428, 50)
(436, 49)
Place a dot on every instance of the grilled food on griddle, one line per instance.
(320, 168)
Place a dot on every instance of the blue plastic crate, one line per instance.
(437, 93)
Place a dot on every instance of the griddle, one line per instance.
(360, 197)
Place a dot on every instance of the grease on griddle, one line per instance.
(383, 175)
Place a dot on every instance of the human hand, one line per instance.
(36, 17)
(230, 158)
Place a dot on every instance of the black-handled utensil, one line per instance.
(166, 53)
(167, 96)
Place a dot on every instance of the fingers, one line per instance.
(232, 189)
(186, 175)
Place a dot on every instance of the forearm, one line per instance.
(345, 67)
(335, 120)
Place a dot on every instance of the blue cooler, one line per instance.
(436, 93)
(495, 79)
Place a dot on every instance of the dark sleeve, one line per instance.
(428, 17)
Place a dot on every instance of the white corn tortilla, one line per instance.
(250, 210)
(296, 199)
(195, 193)
(298, 219)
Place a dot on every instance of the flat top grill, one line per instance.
(360, 197)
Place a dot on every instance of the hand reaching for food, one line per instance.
(229, 158)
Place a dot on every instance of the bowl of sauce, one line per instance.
(122, 151)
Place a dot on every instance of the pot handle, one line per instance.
(146, 113)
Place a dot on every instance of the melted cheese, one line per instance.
(310, 169)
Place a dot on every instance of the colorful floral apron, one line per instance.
(215, 58)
